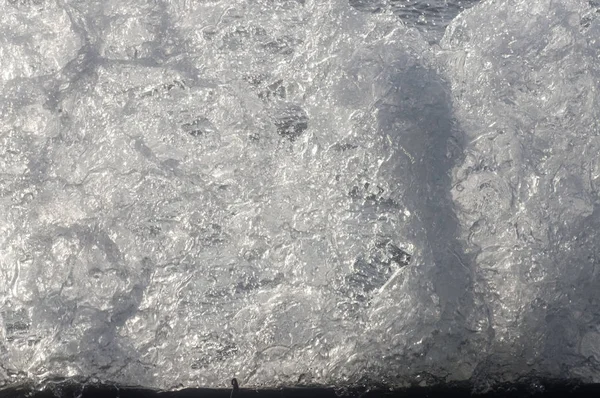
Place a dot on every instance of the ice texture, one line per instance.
(525, 81)
(297, 192)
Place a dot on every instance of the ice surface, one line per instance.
(429, 17)
(525, 78)
(297, 192)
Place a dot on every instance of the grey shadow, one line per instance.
(417, 116)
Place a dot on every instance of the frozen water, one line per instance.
(217, 189)
(429, 17)
(298, 192)
(525, 80)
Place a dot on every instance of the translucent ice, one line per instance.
(524, 78)
(297, 192)
(208, 189)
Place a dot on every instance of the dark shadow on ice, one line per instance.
(103, 348)
(417, 116)
(101, 351)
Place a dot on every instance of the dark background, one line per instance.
(538, 389)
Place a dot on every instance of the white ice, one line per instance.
(297, 192)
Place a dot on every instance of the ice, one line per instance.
(429, 17)
(206, 190)
(297, 192)
(524, 78)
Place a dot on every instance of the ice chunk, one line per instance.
(524, 78)
(297, 192)
(177, 196)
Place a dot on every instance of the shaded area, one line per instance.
(430, 17)
(540, 389)
(417, 116)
